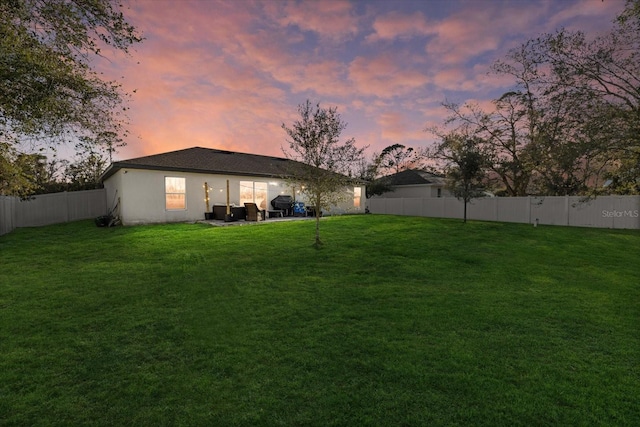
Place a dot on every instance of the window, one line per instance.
(439, 192)
(253, 192)
(357, 195)
(175, 193)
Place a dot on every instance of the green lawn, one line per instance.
(395, 321)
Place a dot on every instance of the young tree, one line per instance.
(322, 160)
(49, 90)
(464, 165)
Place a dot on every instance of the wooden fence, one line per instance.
(52, 208)
(602, 212)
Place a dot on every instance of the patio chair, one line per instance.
(253, 213)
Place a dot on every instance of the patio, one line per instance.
(223, 223)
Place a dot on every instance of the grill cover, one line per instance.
(283, 202)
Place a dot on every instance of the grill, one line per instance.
(283, 203)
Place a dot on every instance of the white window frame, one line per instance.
(357, 197)
(254, 188)
(171, 189)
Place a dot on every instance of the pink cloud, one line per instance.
(384, 76)
(333, 20)
(398, 127)
(227, 74)
(400, 25)
(597, 15)
(459, 40)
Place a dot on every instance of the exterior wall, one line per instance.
(141, 195)
(347, 205)
(415, 191)
(603, 212)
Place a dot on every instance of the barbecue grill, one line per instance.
(283, 203)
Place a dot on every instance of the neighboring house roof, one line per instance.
(414, 177)
(207, 160)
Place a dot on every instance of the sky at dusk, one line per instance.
(228, 74)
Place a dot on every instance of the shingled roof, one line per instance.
(414, 177)
(210, 161)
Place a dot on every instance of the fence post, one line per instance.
(68, 207)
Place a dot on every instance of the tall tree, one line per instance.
(323, 161)
(505, 136)
(584, 108)
(84, 173)
(369, 172)
(49, 89)
(571, 118)
(18, 172)
(396, 158)
(603, 74)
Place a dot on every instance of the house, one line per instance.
(415, 183)
(179, 185)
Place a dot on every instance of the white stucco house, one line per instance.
(179, 185)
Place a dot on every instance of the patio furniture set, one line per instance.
(282, 206)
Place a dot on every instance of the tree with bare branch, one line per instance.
(323, 161)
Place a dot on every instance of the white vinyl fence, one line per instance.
(52, 208)
(602, 212)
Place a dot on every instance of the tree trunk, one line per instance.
(318, 212)
(465, 211)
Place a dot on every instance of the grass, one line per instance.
(395, 321)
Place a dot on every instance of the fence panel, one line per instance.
(395, 208)
(46, 209)
(433, 207)
(482, 209)
(412, 207)
(7, 217)
(86, 204)
(603, 212)
(625, 212)
(588, 213)
(549, 210)
(515, 209)
(453, 208)
(378, 205)
(41, 210)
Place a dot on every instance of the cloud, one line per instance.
(400, 25)
(458, 40)
(385, 76)
(227, 74)
(333, 20)
(586, 14)
(398, 127)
